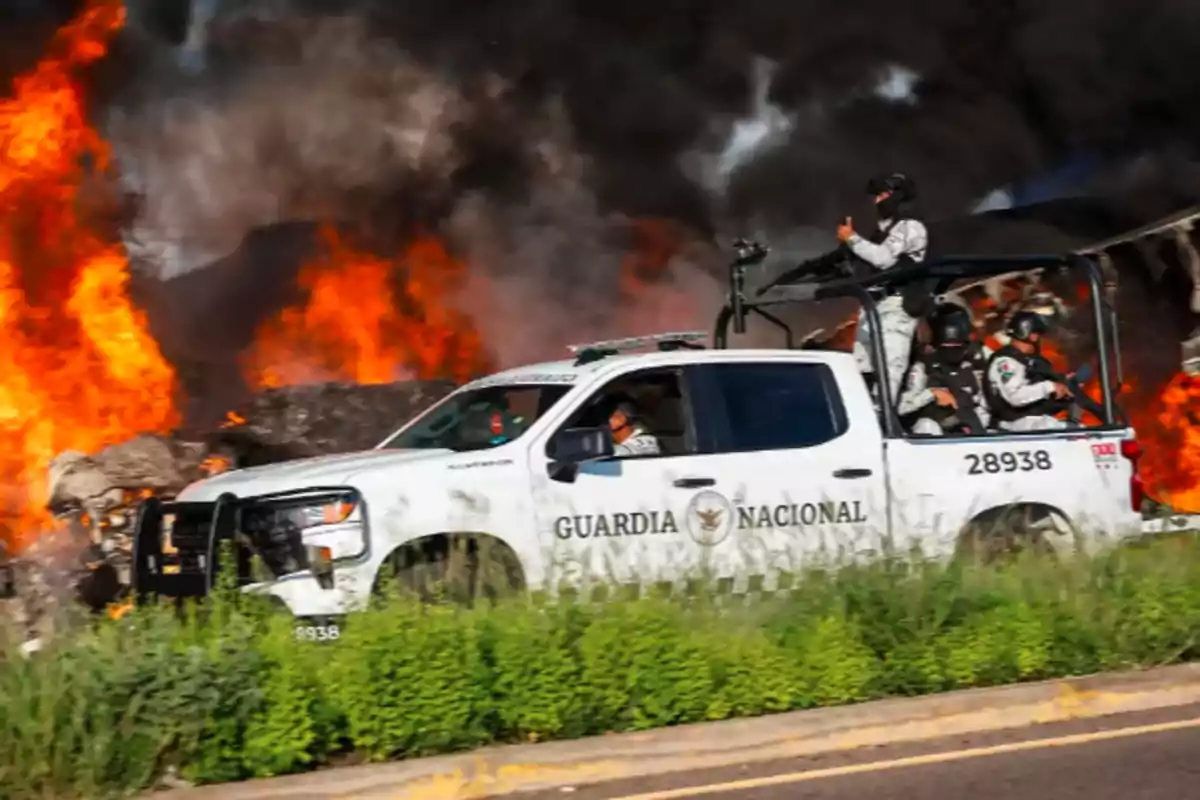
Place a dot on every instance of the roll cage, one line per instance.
(940, 274)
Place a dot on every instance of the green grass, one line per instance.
(227, 694)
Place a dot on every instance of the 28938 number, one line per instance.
(1020, 461)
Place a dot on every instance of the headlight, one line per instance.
(330, 512)
(281, 528)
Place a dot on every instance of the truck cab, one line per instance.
(768, 461)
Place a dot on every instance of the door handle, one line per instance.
(694, 483)
(851, 473)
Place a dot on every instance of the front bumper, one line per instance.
(177, 545)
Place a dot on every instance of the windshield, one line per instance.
(479, 419)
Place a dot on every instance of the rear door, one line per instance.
(792, 476)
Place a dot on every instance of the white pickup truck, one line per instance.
(769, 460)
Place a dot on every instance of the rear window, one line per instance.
(779, 406)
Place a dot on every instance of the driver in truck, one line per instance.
(630, 437)
(1019, 401)
(898, 239)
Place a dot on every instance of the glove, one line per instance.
(845, 230)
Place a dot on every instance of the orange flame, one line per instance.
(78, 369)
(233, 419)
(1167, 422)
(370, 319)
(214, 465)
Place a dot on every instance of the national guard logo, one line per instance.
(1006, 370)
(709, 518)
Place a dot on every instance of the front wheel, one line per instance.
(459, 569)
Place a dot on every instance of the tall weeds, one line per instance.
(224, 692)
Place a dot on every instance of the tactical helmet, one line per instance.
(901, 186)
(1024, 324)
(950, 326)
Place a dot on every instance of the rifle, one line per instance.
(1041, 370)
(827, 266)
(963, 417)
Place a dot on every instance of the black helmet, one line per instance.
(900, 185)
(1024, 324)
(950, 325)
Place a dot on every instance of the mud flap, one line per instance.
(1191, 354)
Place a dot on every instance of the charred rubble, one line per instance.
(84, 563)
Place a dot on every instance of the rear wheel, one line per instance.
(1006, 534)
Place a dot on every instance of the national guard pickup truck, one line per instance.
(769, 460)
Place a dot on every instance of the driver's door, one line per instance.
(623, 519)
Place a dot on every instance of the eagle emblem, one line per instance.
(709, 518)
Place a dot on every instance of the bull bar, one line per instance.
(193, 532)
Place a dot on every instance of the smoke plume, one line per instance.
(537, 135)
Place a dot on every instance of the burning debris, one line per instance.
(86, 553)
(313, 420)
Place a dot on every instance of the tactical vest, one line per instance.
(915, 297)
(963, 382)
(1002, 411)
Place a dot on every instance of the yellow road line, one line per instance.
(912, 761)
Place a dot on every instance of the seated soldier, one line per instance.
(630, 437)
(1022, 395)
(943, 393)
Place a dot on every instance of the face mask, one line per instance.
(887, 208)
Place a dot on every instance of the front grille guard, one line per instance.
(191, 565)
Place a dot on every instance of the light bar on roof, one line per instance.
(637, 342)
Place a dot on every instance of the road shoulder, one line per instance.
(508, 769)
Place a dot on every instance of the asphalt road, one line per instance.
(1142, 756)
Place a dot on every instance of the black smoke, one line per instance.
(1003, 90)
(640, 99)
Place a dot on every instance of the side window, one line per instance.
(778, 406)
(660, 421)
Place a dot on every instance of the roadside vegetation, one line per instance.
(225, 692)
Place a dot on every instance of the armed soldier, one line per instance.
(898, 239)
(943, 393)
(1019, 390)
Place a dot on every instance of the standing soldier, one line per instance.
(898, 239)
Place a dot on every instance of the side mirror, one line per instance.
(575, 446)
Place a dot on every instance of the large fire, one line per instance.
(370, 319)
(1167, 420)
(78, 369)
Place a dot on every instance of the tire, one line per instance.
(1003, 537)
(454, 569)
